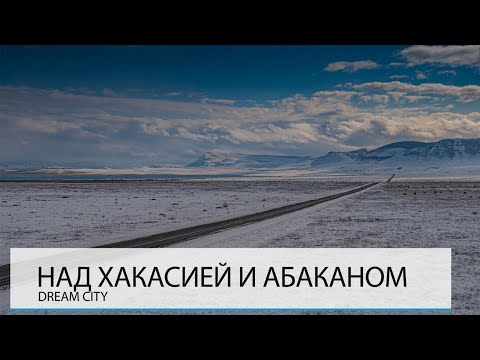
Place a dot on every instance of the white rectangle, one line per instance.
(424, 282)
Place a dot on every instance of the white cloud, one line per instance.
(351, 66)
(417, 98)
(396, 77)
(396, 95)
(454, 55)
(420, 75)
(300, 133)
(394, 64)
(321, 102)
(43, 124)
(218, 101)
(154, 126)
(382, 99)
(173, 93)
(447, 72)
(324, 121)
(464, 94)
(334, 96)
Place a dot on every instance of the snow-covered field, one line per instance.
(403, 213)
(400, 214)
(89, 214)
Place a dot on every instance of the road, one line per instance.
(171, 237)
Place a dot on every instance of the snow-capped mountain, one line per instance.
(336, 157)
(222, 159)
(446, 151)
(404, 153)
(408, 156)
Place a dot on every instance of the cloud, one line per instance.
(39, 121)
(417, 98)
(467, 93)
(453, 55)
(154, 126)
(396, 77)
(366, 128)
(420, 75)
(351, 66)
(394, 64)
(334, 96)
(80, 90)
(383, 99)
(174, 93)
(43, 124)
(447, 72)
(196, 94)
(299, 133)
(321, 102)
(218, 101)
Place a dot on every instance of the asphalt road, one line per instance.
(171, 237)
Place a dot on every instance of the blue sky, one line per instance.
(125, 106)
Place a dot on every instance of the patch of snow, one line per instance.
(90, 214)
(407, 214)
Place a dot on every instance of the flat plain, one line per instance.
(69, 214)
(404, 213)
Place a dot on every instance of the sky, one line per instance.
(134, 106)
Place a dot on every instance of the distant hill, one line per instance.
(447, 152)
(337, 157)
(412, 156)
(409, 152)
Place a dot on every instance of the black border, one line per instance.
(400, 23)
(279, 332)
(240, 23)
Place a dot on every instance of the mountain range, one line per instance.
(414, 155)
(404, 153)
